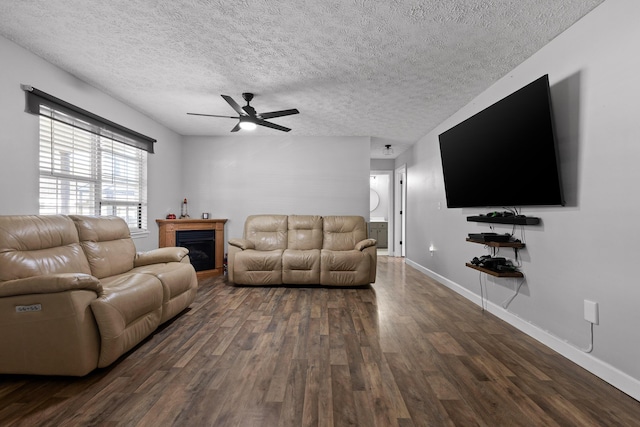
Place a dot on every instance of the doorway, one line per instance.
(381, 218)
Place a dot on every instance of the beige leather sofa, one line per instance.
(303, 250)
(75, 295)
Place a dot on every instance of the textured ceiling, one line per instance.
(391, 70)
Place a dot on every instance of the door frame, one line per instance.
(400, 208)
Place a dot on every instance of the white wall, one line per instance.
(585, 250)
(382, 164)
(19, 136)
(236, 176)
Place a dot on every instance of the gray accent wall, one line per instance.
(237, 176)
(586, 250)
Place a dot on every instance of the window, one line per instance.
(88, 169)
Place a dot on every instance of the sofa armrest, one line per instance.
(242, 244)
(160, 255)
(361, 245)
(50, 283)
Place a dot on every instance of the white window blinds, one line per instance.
(83, 172)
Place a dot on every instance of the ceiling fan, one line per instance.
(247, 116)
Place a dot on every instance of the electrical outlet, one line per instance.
(591, 311)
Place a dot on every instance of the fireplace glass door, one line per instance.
(201, 245)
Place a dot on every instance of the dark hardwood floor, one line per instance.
(403, 352)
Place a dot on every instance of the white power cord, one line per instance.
(508, 301)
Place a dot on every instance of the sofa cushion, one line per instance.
(341, 233)
(33, 245)
(301, 267)
(304, 232)
(179, 285)
(107, 243)
(254, 267)
(267, 232)
(128, 311)
(344, 268)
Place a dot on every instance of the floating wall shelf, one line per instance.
(517, 220)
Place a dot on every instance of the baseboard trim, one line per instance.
(622, 381)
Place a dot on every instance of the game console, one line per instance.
(493, 263)
(490, 237)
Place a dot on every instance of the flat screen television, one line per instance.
(506, 155)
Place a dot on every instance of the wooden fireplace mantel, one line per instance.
(167, 237)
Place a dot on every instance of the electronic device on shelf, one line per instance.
(516, 135)
(504, 214)
(493, 263)
(479, 260)
(490, 237)
(506, 267)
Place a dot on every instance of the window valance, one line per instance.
(84, 119)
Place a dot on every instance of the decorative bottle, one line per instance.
(184, 213)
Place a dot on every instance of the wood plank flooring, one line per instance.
(403, 352)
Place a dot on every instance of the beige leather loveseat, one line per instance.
(303, 250)
(75, 295)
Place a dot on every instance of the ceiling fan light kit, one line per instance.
(247, 124)
(248, 118)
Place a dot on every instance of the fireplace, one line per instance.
(201, 245)
(210, 244)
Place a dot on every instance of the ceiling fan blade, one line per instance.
(272, 125)
(233, 104)
(273, 114)
(236, 128)
(249, 110)
(212, 115)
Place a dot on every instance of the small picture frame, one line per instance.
(205, 215)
